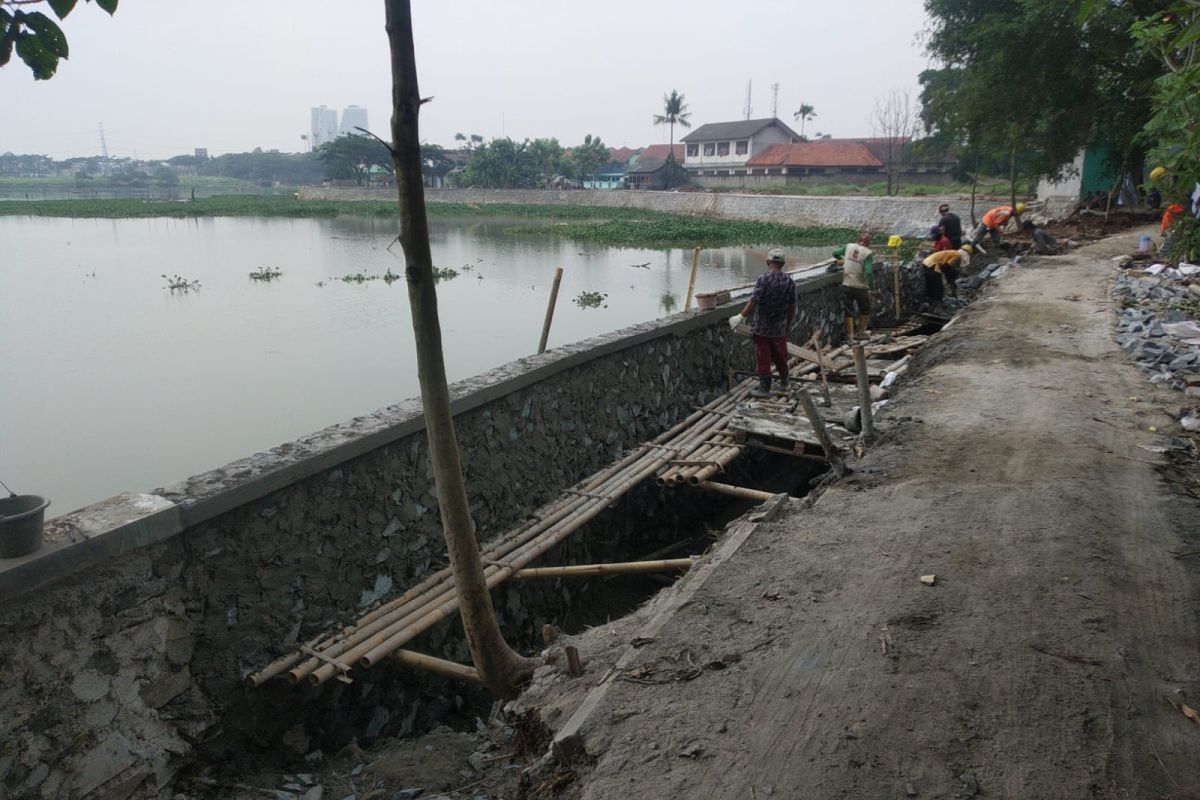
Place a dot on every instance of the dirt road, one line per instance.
(1046, 661)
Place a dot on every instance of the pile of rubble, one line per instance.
(1156, 323)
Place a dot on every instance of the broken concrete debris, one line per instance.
(1156, 323)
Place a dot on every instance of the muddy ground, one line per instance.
(1054, 656)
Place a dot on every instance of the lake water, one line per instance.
(113, 383)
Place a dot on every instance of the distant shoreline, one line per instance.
(617, 227)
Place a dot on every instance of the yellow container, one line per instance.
(895, 241)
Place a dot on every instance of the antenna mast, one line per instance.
(103, 144)
(748, 108)
(775, 99)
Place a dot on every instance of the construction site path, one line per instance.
(1055, 655)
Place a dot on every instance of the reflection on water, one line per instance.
(115, 384)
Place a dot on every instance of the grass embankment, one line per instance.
(618, 227)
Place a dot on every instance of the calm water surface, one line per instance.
(113, 383)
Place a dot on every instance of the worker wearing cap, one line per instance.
(994, 221)
(857, 262)
(951, 225)
(944, 264)
(773, 303)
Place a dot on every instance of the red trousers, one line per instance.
(771, 349)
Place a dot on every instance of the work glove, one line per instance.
(735, 320)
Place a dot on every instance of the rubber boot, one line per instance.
(783, 384)
(849, 328)
(764, 387)
(864, 322)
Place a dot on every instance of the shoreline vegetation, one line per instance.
(617, 227)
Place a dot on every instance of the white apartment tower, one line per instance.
(353, 117)
(324, 126)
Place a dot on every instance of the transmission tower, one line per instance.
(747, 110)
(103, 144)
(775, 99)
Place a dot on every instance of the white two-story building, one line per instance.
(716, 153)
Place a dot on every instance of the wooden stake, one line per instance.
(818, 425)
(438, 666)
(692, 282)
(574, 665)
(550, 309)
(619, 568)
(896, 281)
(864, 393)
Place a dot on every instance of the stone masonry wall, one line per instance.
(909, 216)
(127, 638)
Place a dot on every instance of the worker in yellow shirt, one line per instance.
(944, 264)
(994, 222)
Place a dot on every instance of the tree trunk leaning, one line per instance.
(500, 668)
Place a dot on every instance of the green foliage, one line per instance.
(37, 39)
(353, 156)
(266, 274)
(590, 156)
(667, 230)
(674, 113)
(591, 300)
(1028, 84)
(1173, 38)
(177, 283)
(501, 164)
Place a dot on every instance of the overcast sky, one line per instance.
(166, 76)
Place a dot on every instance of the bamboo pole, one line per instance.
(896, 281)
(828, 401)
(818, 425)
(618, 568)
(735, 491)
(864, 393)
(550, 309)
(692, 281)
(438, 666)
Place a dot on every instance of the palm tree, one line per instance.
(674, 112)
(805, 113)
(458, 137)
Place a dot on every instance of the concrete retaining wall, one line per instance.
(127, 637)
(909, 216)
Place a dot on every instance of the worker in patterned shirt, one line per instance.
(773, 303)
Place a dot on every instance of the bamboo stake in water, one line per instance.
(692, 282)
(550, 309)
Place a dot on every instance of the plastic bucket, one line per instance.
(21, 519)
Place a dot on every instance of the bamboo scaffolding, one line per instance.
(384, 630)
(420, 595)
(618, 568)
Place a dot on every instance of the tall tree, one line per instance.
(354, 156)
(805, 113)
(1079, 83)
(590, 156)
(501, 669)
(895, 120)
(38, 40)
(674, 113)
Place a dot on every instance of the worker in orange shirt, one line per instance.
(994, 221)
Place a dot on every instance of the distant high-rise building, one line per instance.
(353, 118)
(324, 126)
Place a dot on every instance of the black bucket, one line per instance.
(21, 519)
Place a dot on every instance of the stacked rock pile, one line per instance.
(1156, 322)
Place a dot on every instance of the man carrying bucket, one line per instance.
(773, 303)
